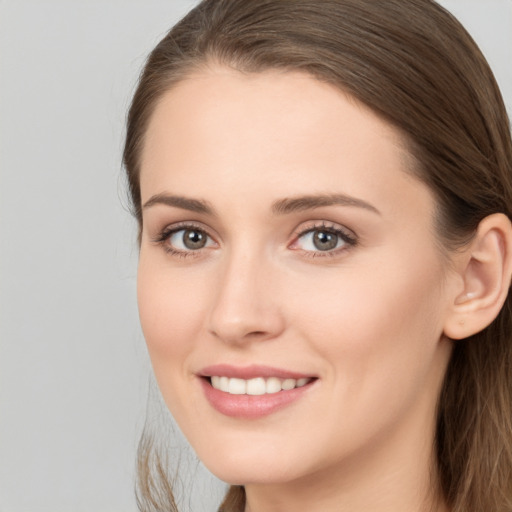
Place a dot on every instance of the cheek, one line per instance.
(171, 316)
(170, 312)
(376, 328)
(380, 338)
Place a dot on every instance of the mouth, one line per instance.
(253, 392)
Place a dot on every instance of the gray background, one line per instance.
(74, 371)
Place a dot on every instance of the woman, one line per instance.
(323, 191)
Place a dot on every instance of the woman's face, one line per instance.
(291, 290)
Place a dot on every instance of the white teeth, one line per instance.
(273, 385)
(256, 386)
(237, 387)
(288, 384)
(224, 384)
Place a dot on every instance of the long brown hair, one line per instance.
(414, 65)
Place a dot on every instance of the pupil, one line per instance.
(194, 239)
(324, 241)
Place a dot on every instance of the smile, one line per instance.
(255, 391)
(256, 386)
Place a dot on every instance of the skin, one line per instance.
(366, 319)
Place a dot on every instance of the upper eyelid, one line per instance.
(180, 225)
(323, 224)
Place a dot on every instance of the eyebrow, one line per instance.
(280, 207)
(185, 203)
(302, 203)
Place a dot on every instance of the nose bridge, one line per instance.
(245, 305)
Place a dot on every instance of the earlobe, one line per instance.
(485, 269)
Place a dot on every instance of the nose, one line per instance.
(246, 306)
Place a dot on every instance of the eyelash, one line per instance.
(347, 237)
(163, 238)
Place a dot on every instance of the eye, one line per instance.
(184, 240)
(323, 239)
(188, 239)
(320, 240)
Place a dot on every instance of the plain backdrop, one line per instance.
(74, 373)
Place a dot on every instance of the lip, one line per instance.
(251, 407)
(250, 372)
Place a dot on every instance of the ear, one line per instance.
(485, 267)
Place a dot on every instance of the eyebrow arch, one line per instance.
(185, 203)
(298, 204)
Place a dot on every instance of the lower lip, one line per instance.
(251, 406)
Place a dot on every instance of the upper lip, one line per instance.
(250, 372)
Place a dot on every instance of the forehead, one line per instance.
(278, 133)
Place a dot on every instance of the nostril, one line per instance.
(256, 333)
(237, 334)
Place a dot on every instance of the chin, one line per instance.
(262, 465)
(251, 475)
